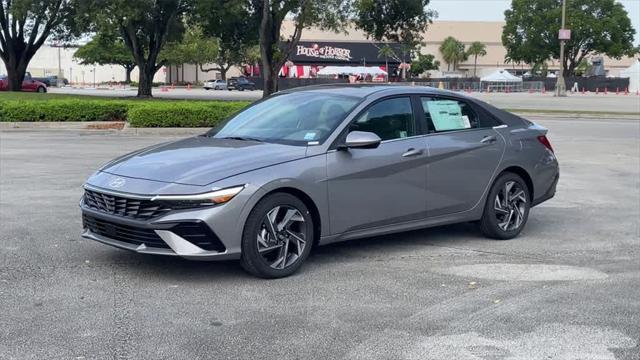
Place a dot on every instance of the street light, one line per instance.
(563, 36)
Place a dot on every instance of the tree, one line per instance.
(424, 63)
(325, 14)
(597, 27)
(107, 50)
(387, 52)
(145, 25)
(24, 27)
(476, 49)
(402, 21)
(234, 29)
(453, 52)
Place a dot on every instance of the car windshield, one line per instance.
(296, 118)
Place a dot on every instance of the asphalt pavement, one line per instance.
(567, 288)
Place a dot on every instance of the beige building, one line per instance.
(487, 32)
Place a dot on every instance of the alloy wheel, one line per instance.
(510, 206)
(282, 236)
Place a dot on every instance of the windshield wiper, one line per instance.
(241, 138)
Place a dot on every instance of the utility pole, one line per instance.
(561, 87)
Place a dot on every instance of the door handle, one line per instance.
(412, 152)
(488, 139)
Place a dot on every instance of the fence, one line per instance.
(533, 85)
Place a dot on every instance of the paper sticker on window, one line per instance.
(447, 115)
(310, 136)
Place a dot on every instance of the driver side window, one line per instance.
(389, 119)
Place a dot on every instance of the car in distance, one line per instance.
(215, 85)
(317, 165)
(28, 84)
(240, 83)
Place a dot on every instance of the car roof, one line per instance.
(366, 90)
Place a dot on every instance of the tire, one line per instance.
(42, 89)
(206, 88)
(262, 253)
(216, 88)
(505, 220)
(241, 88)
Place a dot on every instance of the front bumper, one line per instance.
(156, 236)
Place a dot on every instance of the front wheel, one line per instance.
(507, 208)
(277, 236)
(42, 89)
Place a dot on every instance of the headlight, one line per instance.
(216, 197)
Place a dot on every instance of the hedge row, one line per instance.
(182, 114)
(139, 113)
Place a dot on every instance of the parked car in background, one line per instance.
(28, 84)
(317, 165)
(215, 85)
(240, 83)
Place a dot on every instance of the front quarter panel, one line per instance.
(307, 175)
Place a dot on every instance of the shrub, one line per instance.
(182, 114)
(140, 113)
(63, 110)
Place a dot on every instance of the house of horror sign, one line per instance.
(343, 53)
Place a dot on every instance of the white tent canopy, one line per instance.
(633, 73)
(351, 70)
(501, 76)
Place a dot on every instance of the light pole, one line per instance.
(561, 87)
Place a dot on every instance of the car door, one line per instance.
(376, 187)
(29, 84)
(464, 153)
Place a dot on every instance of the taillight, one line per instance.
(544, 141)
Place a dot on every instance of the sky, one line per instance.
(493, 10)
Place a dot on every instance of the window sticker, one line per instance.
(447, 115)
(310, 136)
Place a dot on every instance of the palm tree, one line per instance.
(453, 52)
(476, 49)
(387, 52)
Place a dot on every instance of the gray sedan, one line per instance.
(317, 165)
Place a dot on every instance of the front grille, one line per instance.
(122, 206)
(196, 233)
(125, 233)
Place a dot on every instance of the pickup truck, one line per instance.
(28, 84)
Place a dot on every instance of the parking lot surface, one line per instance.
(567, 288)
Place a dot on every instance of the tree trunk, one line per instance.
(196, 67)
(223, 73)
(475, 65)
(16, 70)
(145, 81)
(128, 70)
(448, 66)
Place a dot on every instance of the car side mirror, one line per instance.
(362, 140)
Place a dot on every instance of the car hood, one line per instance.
(201, 160)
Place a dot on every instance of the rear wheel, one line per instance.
(42, 89)
(277, 236)
(507, 208)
